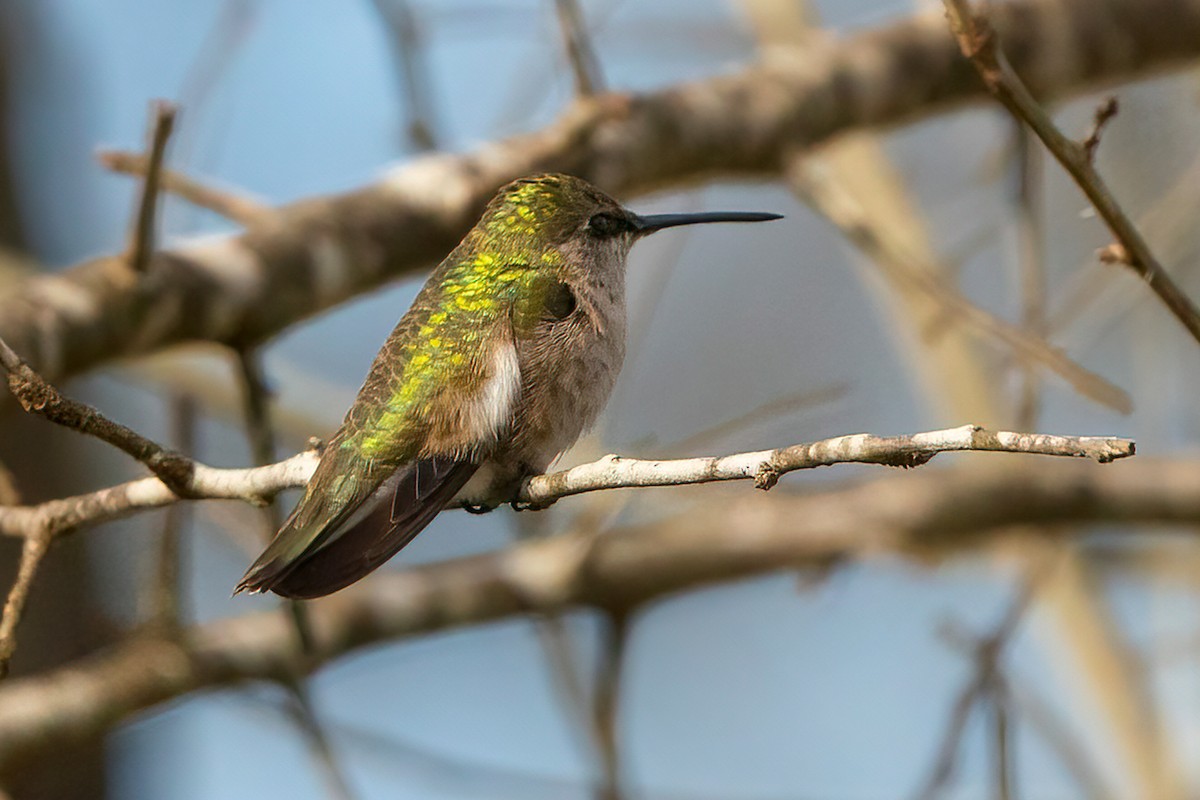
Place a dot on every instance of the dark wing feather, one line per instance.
(365, 534)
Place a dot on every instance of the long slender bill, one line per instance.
(656, 222)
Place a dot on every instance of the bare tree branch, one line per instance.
(585, 67)
(230, 204)
(260, 432)
(254, 485)
(933, 513)
(407, 46)
(831, 200)
(986, 683)
(764, 467)
(979, 43)
(1031, 268)
(35, 549)
(162, 595)
(141, 241)
(39, 397)
(1042, 717)
(609, 672)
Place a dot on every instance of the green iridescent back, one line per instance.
(494, 283)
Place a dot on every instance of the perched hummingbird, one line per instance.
(508, 354)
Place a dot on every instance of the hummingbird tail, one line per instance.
(360, 538)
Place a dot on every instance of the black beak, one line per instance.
(656, 222)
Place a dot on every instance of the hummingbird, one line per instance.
(507, 355)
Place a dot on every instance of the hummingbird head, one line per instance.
(567, 220)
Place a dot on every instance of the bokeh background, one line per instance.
(832, 685)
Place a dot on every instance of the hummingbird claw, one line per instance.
(478, 508)
(525, 505)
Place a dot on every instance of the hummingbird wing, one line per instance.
(410, 442)
(378, 520)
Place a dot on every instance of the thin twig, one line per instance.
(1104, 115)
(254, 485)
(841, 209)
(584, 65)
(607, 702)
(947, 758)
(229, 204)
(978, 42)
(256, 397)
(766, 466)
(1030, 266)
(163, 598)
(303, 715)
(407, 48)
(260, 432)
(555, 637)
(217, 52)
(770, 410)
(32, 553)
(39, 397)
(1002, 750)
(987, 653)
(141, 242)
(1042, 717)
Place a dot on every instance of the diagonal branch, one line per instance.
(229, 204)
(35, 549)
(141, 242)
(585, 67)
(979, 43)
(39, 397)
(899, 267)
(985, 682)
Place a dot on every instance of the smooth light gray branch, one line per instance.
(611, 472)
(253, 485)
(766, 466)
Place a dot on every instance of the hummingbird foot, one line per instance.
(478, 508)
(529, 505)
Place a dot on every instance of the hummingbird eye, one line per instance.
(560, 302)
(604, 224)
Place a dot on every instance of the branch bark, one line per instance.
(611, 472)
